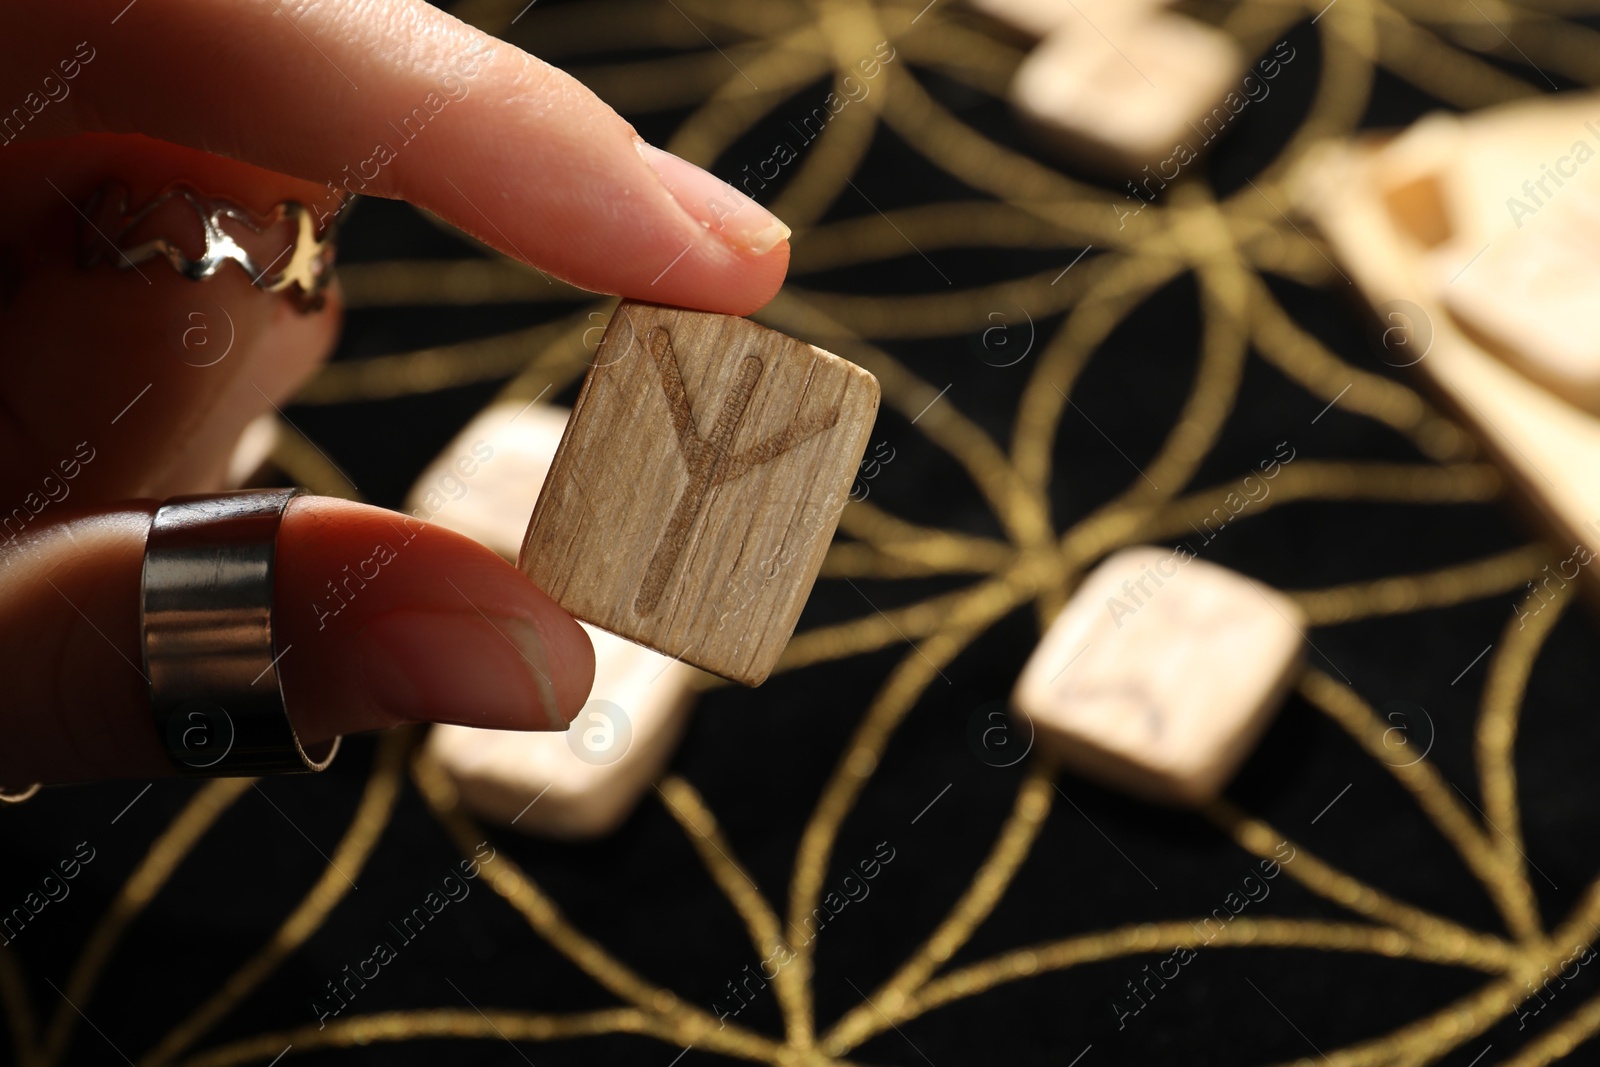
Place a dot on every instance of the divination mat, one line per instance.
(1432, 774)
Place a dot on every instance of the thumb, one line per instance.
(379, 620)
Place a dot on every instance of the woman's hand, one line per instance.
(103, 411)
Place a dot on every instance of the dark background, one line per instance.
(760, 757)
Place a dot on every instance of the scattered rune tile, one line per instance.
(1038, 18)
(1132, 92)
(1472, 239)
(485, 482)
(1161, 673)
(585, 782)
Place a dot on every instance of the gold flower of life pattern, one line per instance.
(736, 64)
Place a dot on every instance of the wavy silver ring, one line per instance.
(7, 797)
(302, 269)
(206, 624)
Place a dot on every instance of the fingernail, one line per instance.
(459, 667)
(715, 204)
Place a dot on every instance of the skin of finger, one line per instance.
(333, 581)
(499, 143)
(78, 704)
(104, 363)
(285, 355)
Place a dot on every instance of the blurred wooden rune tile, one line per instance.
(585, 782)
(1412, 220)
(1161, 673)
(1038, 18)
(251, 458)
(484, 484)
(1519, 268)
(700, 479)
(588, 779)
(1501, 213)
(1530, 300)
(1123, 90)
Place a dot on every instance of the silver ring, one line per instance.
(301, 264)
(206, 624)
(8, 797)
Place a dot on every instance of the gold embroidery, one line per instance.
(1226, 246)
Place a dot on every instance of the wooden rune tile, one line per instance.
(698, 485)
(1091, 97)
(1413, 219)
(584, 783)
(1038, 18)
(484, 484)
(1161, 673)
(587, 780)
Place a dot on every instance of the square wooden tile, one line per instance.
(1521, 392)
(698, 485)
(1161, 673)
(485, 482)
(583, 783)
(1094, 99)
(1038, 18)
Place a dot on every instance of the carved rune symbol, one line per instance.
(709, 462)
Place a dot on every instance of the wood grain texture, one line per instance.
(699, 484)
(1161, 673)
(1547, 445)
(484, 485)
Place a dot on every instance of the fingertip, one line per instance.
(384, 619)
(570, 647)
(738, 252)
(718, 279)
(764, 277)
